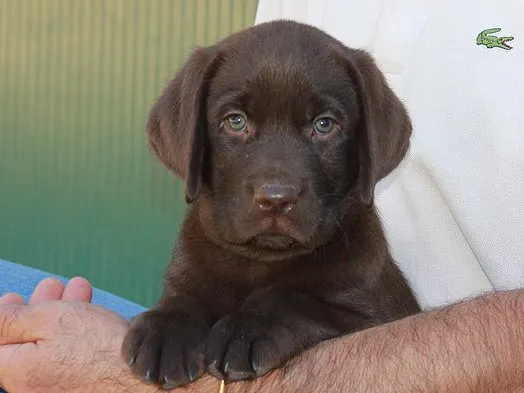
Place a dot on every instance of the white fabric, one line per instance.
(454, 210)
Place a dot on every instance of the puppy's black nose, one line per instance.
(276, 198)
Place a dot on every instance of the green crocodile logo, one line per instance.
(492, 41)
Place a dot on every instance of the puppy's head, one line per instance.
(277, 131)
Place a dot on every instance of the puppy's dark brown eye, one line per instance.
(324, 125)
(236, 122)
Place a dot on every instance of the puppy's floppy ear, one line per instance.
(177, 122)
(384, 127)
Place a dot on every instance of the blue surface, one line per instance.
(23, 279)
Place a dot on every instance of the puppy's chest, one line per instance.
(241, 283)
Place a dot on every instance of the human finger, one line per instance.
(11, 298)
(13, 358)
(78, 289)
(47, 290)
(7, 353)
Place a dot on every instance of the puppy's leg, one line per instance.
(166, 345)
(271, 327)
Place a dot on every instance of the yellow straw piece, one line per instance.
(222, 387)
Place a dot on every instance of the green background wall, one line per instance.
(80, 194)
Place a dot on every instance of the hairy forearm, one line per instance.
(473, 346)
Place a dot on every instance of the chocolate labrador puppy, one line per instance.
(280, 133)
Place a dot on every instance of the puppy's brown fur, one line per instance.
(280, 133)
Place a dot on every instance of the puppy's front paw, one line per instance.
(243, 346)
(166, 348)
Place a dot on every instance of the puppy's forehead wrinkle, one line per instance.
(284, 71)
(287, 78)
(289, 96)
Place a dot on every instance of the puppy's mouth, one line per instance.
(274, 242)
(276, 234)
(271, 240)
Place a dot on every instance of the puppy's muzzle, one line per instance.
(275, 199)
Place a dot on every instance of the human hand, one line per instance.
(61, 346)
